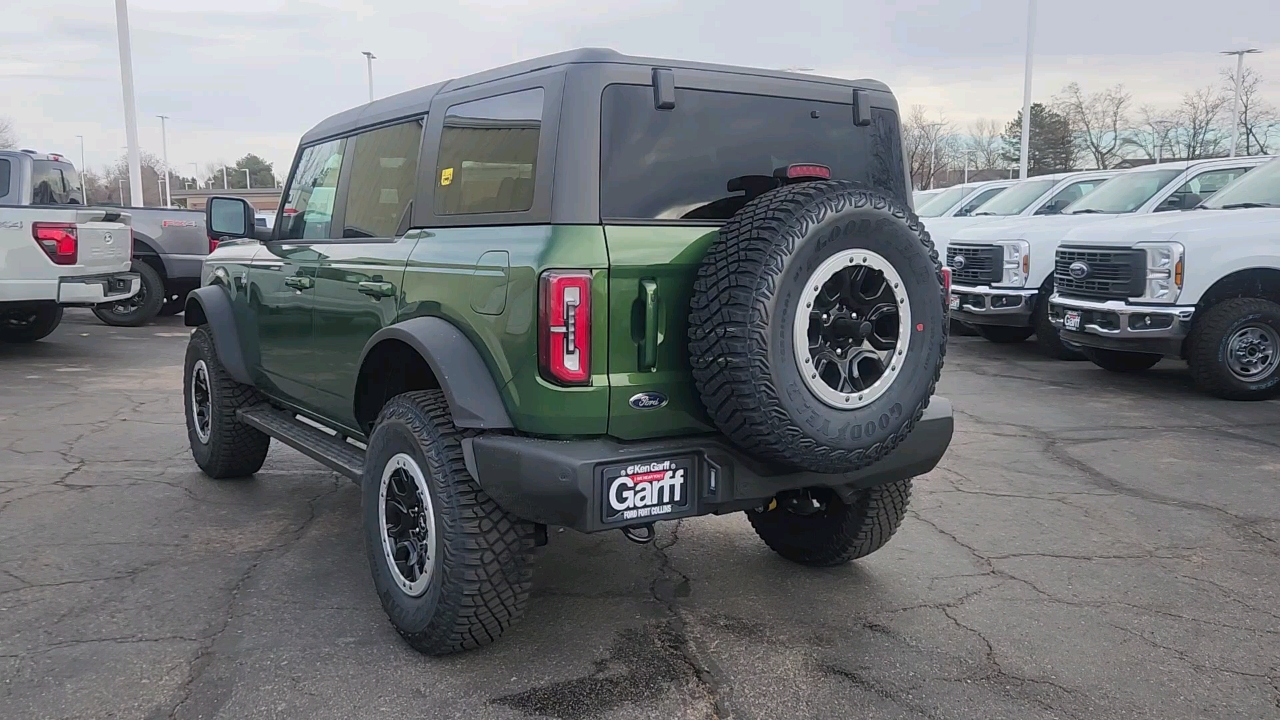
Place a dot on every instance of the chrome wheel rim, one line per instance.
(1253, 352)
(407, 524)
(201, 401)
(852, 329)
(130, 305)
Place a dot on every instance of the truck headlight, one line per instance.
(1164, 271)
(1016, 263)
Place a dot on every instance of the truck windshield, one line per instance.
(1256, 188)
(672, 165)
(1016, 199)
(55, 183)
(1123, 193)
(944, 201)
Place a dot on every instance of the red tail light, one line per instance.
(946, 280)
(564, 326)
(58, 240)
(213, 244)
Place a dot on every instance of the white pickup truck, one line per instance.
(1003, 272)
(1203, 285)
(54, 251)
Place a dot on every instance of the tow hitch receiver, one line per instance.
(640, 534)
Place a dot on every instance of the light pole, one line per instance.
(164, 156)
(82, 168)
(370, 57)
(224, 177)
(1162, 128)
(122, 191)
(933, 151)
(1023, 158)
(1235, 117)
(196, 174)
(130, 112)
(247, 185)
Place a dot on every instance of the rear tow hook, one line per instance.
(640, 534)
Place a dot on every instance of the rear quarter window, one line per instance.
(489, 154)
(6, 168)
(677, 165)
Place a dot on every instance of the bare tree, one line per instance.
(1258, 120)
(1154, 134)
(985, 144)
(8, 136)
(1199, 132)
(931, 146)
(1100, 121)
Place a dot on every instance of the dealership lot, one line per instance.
(1093, 545)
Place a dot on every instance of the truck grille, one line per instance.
(1110, 274)
(982, 264)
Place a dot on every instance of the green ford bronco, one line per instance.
(590, 291)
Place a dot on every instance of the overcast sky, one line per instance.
(239, 76)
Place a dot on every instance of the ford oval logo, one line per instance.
(647, 400)
(957, 262)
(106, 238)
(1078, 270)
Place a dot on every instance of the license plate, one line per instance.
(646, 491)
(1071, 320)
(955, 302)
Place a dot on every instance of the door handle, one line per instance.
(377, 290)
(299, 282)
(649, 346)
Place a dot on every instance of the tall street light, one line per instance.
(1235, 118)
(1023, 157)
(196, 174)
(247, 184)
(82, 168)
(370, 57)
(130, 112)
(164, 150)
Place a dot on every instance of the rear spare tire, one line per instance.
(818, 326)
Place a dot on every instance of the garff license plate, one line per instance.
(646, 491)
(955, 302)
(1071, 320)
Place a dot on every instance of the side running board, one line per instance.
(330, 450)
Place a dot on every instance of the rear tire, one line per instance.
(29, 324)
(454, 572)
(1234, 350)
(840, 532)
(1004, 334)
(222, 446)
(137, 310)
(1121, 361)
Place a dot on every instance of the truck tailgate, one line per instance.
(104, 241)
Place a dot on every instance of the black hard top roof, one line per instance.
(415, 102)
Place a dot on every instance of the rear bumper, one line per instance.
(1116, 325)
(564, 483)
(96, 289)
(983, 305)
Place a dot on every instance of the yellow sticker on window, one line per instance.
(446, 176)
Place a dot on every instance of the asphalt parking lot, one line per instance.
(1092, 546)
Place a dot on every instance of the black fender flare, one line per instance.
(209, 305)
(462, 373)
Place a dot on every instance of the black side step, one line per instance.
(333, 452)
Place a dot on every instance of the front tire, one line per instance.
(136, 310)
(1004, 334)
(1121, 361)
(29, 324)
(839, 532)
(222, 446)
(1234, 350)
(451, 568)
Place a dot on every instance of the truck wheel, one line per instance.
(961, 329)
(1048, 337)
(451, 567)
(1119, 360)
(1234, 350)
(818, 326)
(29, 324)
(222, 446)
(134, 311)
(838, 532)
(1004, 334)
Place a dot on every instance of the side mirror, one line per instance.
(1190, 200)
(229, 217)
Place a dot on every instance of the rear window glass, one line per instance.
(5, 169)
(55, 183)
(489, 155)
(679, 164)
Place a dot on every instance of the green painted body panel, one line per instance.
(446, 278)
(668, 258)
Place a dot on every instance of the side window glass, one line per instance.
(489, 155)
(977, 200)
(5, 169)
(384, 171)
(308, 206)
(1208, 183)
(1068, 195)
